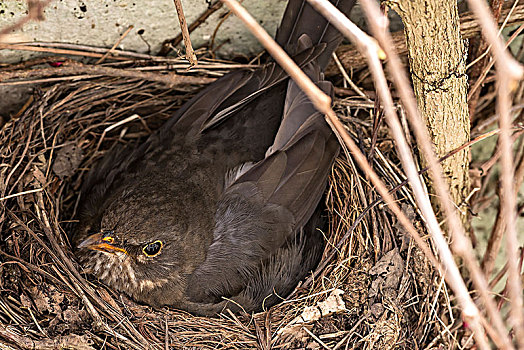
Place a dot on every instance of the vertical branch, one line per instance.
(190, 53)
(167, 44)
(508, 71)
(509, 205)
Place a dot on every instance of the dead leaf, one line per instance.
(333, 304)
(387, 274)
(67, 161)
(40, 300)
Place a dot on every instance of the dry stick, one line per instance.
(348, 79)
(452, 273)
(29, 47)
(83, 50)
(461, 243)
(49, 80)
(508, 71)
(323, 104)
(72, 68)
(102, 59)
(190, 53)
(123, 56)
(167, 44)
(511, 13)
(488, 67)
(497, 232)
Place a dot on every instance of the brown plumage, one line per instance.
(220, 207)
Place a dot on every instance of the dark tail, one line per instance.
(300, 18)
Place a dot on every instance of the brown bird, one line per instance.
(220, 207)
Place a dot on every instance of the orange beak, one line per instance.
(101, 242)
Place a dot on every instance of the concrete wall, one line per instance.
(101, 22)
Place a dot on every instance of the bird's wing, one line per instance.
(267, 204)
(204, 111)
(230, 93)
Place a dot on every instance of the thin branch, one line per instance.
(75, 68)
(110, 51)
(482, 52)
(482, 77)
(508, 71)
(168, 44)
(190, 53)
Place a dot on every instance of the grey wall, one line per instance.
(101, 22)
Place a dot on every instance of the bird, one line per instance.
(220, 208)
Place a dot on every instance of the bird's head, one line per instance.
(130, 263)
(143, 242)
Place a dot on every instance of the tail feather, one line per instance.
(301, 18)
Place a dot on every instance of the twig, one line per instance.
(167, 44)
(482, 59)
(497, 232)
(110, 51)
(190, 53)
(113, 126)
(48, 80)
(28, 47)
(482, 77)
(73, 68)
(508, 71)
(348, 79)
(421, 172)
(20, 194)
(82, 50)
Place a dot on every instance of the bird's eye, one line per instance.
(108, 239)
(152, 249)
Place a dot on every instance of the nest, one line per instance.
(373, 287)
